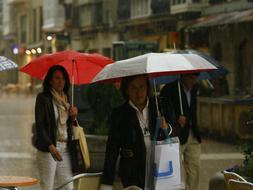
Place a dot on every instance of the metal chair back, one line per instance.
(231, 175)
(240, 185)
(84, 181)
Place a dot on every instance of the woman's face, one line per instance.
(137, 91)
(58, 81)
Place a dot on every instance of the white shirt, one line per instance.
(188, 95)
(143, 120)
(142, 117)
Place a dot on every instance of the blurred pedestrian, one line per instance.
(179, 101)
(131, 128)
(54, 117)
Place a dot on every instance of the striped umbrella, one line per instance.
(6, 64)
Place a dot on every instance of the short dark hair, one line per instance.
(187, 74)
(49, 76)
(125, 83)
(196, 74)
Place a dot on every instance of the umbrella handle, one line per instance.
(180, 98)
(72, 81)
(72, 91)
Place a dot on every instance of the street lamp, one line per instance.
(49, 38)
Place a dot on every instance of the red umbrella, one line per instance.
(82, 66)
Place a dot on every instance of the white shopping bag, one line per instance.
(167, 165)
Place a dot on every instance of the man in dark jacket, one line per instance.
(183, 115)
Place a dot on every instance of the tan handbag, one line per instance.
(78, 134)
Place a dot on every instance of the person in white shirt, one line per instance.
(132, 127)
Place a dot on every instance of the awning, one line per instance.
(222, 19)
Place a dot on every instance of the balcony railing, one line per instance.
(16, 1)
(185, 6)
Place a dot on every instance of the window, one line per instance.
(140, 8)
(85, 15)
(1, 6)
(160, 6)
(90, 14)
(1, 12)
(243, 68)
(213, 2)
(23, 28)
(34, 26)
(124, 9)
(218, 52)
(40, 23)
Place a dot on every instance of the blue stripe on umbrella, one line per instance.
(6, 64)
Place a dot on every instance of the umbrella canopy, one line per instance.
(219, 72)
(154, 64)
(6, 64)
(82, 66)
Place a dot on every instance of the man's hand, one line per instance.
(163, 124)
(182, 120)
(55, 153)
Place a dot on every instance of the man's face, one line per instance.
(137, 91)
(189, 80)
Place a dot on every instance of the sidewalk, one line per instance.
(17, 156)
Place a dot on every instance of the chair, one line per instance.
(240, 185)
(84, 181)
(132, 187)
(231, 175)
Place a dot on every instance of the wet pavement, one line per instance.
(17, 156)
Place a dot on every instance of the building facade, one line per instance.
(221, 28)
(22, 35)
(224, 30)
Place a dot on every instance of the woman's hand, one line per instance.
(55, 153)
(73, 113)
(163, 124)
(182, 120)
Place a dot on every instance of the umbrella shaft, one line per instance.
(156, 100)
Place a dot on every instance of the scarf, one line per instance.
(60, 100)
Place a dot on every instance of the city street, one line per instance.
(17, 156)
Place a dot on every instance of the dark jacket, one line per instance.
(46, 127)
(170, 104)
(126, 139)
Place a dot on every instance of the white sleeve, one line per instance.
(105, 187)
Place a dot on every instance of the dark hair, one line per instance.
(125, 83)
(196, 74)
(49, 76)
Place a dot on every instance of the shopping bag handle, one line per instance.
(165, 131)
